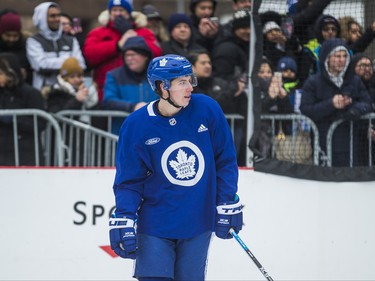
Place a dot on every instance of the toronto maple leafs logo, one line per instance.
(183, 163)
(163, 62)
(184, 166)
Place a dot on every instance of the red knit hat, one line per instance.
(10, 22)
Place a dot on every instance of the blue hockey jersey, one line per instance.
(171, 172)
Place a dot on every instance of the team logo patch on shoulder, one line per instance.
(183, 163)
(152, 141)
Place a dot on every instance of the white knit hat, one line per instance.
(269, 26)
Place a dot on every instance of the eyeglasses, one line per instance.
(330, 28)
(364, 65)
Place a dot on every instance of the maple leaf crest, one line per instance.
(184, 166)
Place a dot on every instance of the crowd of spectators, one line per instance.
(293, 73)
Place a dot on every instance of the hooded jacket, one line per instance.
(309, 63)
(318, 92)
(47, 49)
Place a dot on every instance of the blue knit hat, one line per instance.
(175, 19)
(126, 4)
(286, 63)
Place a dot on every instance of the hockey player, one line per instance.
(176, 178)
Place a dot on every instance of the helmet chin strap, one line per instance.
(168, 99)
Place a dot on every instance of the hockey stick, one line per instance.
(243, 245)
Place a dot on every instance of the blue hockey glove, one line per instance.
(229, 215)
(123, 237)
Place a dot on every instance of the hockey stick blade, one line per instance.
(257, 263)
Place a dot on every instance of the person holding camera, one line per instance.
(205, 26)
(181, 40)
(332, 94)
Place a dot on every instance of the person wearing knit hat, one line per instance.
(138, 45)
(69, 91)
(241, 24)
(13, 41)
(290, 82)
(287, 63)
(10, 22)
(70, 67)
(10, 30)
(181, 39)
(176, 19)
(126, 4)
(126, 87)
(241, 18)
(276, 42)
(269, 26)
(102, 48)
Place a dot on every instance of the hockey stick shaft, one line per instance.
(257, 263)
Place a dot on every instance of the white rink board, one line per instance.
(297, 229)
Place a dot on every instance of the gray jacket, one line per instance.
(47, 50)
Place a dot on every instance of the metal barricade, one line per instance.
(110, 114)
(90, 114)
(294, 118)
(86, 145)
(45, 140)
(93, 153)
(232, 118)
(369, 117)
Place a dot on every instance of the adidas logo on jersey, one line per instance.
(202, 128)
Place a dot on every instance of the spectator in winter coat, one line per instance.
(327, 27)
(155, 23)
(230, 95)
(333, 94)
(48, 49)
(274, 100)
(276, 43)
(15, 93)
(102, 48)
(181, 39)
(236, 5)
(288, 68)
(352, 32)
(361, 65)
(204, 29)
(126, 87)
(304, 16)
(230, 55)
(69, 92)
(13, 40)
